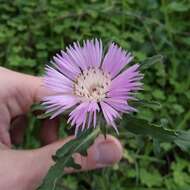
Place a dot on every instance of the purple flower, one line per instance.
(89, 83)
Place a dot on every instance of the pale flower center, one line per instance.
(92, 84)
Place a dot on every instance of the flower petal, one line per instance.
(115, 59)
(65, 65)
(125, 83)
(92, 51)
(119, 105)
(59, 103)
(56, 81)
(109, 113)
(82, 113)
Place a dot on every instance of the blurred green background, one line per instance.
(32, 31)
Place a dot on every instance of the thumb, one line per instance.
(102, 153)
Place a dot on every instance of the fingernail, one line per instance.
(108, 153)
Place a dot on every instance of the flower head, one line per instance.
(88, 82)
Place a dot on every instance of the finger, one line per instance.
(4, 135)
(4, 126)
(49, 131)
(103, 153)
(41, 91)
(35, 88)
(17, 129)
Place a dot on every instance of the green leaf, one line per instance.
(150, 179)
(183, 140)
(37, 107)
(143, 127)
(40, 109)
(63, 157)
(148, 104)
(156, 147)
(151, 61)
(44, 115)
(178, 7)
(158, 94)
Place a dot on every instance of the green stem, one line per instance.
(183, 122)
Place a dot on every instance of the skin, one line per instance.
(25, 169)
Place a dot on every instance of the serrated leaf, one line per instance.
(143, 127)
(63, 157)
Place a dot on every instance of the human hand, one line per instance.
(25, 169)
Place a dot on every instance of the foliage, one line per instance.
(157, 132)
(32, 31)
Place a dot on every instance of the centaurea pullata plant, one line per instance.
(95, 88)
(91, 84)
